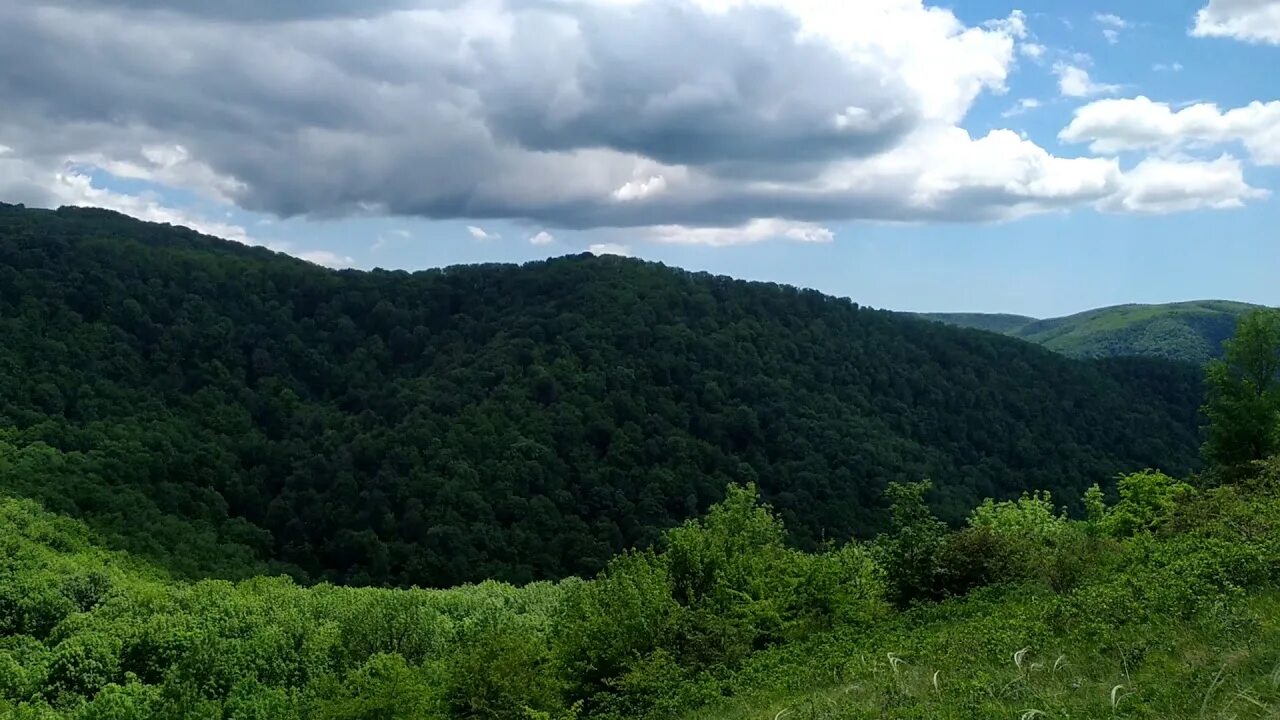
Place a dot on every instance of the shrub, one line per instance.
(1147, 499)
(609, 623)
(911, 551)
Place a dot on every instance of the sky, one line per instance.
(1034, 157)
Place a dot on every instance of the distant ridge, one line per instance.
(1190, 331)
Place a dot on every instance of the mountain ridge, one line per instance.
(1188, 331)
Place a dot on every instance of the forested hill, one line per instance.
(1185, 331)
(224, 408)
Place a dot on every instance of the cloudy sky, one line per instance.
(1038, 157)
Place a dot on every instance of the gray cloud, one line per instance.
(570, 113)
(670, 82)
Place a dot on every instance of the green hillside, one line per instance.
(225, 410)
(1164, 605)
(991, 322)
(1186, 331)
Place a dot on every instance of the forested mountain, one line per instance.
(223, 408)
(1186, 331)
(991, 322)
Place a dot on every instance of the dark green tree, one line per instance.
(1243, 405)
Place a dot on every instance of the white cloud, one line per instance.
(1159, 185)
(638, 190)
(1035, 51)
(170, 165)
(610, 249)
(542, 238)
(1074, 81)
(751, 232)
(1167, 67)
(73, 187)
(478, 233)
(1115, 125)
(1111, 20)
(1111, 26)
(1255, 21)
(325, 258)
(1023, 105)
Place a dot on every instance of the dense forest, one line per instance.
(1184, 331)
(225, 410)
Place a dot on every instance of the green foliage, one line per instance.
(722, 620)
(910, 551)
(1243, 406)
(1020, 540)
(1095, 507)
(1147, 500)
(122, 643)
(226, 411)
(1030, 519)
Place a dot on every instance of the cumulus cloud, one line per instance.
(751, 232)
(694, 114)
(326, 258)
(1115, 125)
(1111, 26)
(1159, 185)
(74, 187)
(479, 233)
(542, 238)
(1024, 105)
(1035, 51)
(610, 249)
(640, 189)
(1256, 21)
(1074, 81)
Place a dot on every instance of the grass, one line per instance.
(1008, 657)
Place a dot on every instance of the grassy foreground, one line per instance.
(1164, 604)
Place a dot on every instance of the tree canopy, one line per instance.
(1243, 406)
(225, 409)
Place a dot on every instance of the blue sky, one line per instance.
(1096, 197)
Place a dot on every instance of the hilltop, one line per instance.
(1185, 331)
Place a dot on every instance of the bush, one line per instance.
(502, 672)
(1147, 500)
(911, 551)
(608, 624)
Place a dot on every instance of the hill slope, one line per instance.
(1186, 331)
(223, 408)
(991, 322)
(1177, 618)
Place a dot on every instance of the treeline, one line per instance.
(228, 411)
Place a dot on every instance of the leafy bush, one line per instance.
(1147, 499)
